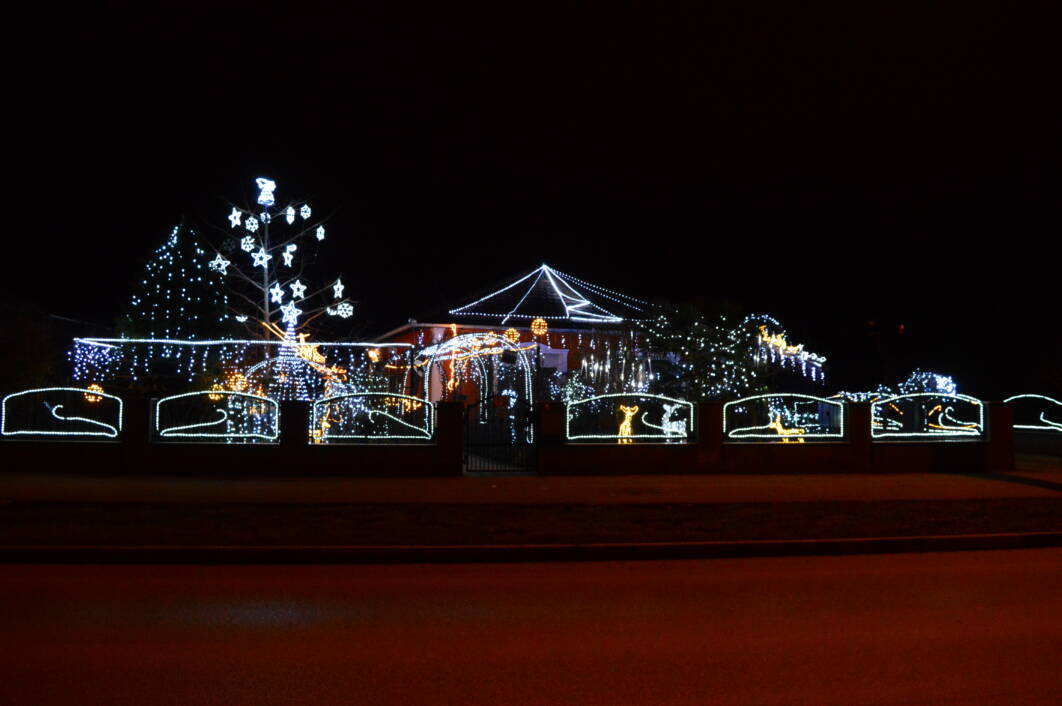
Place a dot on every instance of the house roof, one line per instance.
(552, 295)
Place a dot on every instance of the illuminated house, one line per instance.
(509, 341)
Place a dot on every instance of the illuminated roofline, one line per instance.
(557, 280)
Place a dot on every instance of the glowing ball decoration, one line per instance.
(513, 335)
(93, 399)
(539, 327)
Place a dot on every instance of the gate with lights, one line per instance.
(500, 436)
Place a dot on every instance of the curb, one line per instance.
(448, 554)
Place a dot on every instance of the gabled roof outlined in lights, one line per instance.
(548, 294)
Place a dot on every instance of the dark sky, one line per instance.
(834, 164)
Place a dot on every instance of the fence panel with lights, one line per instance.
(784, 418)
(61, 413)
(928, 416)
(216, 416)
(372, 417)
(630, 419)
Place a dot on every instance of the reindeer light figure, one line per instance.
(785, 433)
(625, 426)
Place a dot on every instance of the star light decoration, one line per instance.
(291, 313)
(219, 264)
(268, 279)
(261, 258)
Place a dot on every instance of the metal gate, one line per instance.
(500, 438)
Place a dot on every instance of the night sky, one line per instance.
(847, 167)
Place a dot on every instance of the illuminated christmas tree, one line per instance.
(179, 296)
(264, 263)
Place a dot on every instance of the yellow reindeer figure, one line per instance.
(625, 426)
(796, 433)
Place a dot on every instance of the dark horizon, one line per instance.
(894, 164)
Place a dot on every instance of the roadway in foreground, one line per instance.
(951, 628)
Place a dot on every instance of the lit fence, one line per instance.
(219, 416)
(1036, 412)
(783, 418)
(928, 416)
(630, 418)
(372, 417)
(61, 412)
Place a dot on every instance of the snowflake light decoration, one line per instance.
(344, 311)
(247, 243)
(251, 224)
(305, 211)
(320, 232)
(289, 215)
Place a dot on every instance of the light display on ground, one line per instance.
(1036, 412)
(372, 416)
(627, 418)
(927, 416)
(784, 418)
(70, 412)
(217, 415)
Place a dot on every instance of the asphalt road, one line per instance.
(957, 628)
